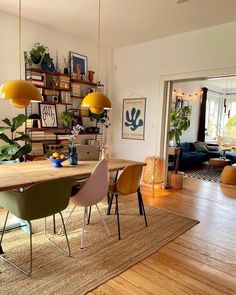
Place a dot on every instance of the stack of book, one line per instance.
(65, 97)
(36, 135)
(64, 82)
(75, 87)
(36, 78)
(49, 136)
(37, 149)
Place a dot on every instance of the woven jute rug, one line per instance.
(102, 258)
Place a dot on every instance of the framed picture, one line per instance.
(178, 104)
(133, 118)
(185, 103)
(78, 59)
(48, 114)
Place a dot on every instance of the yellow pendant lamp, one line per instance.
(97, 102)
(19, 92)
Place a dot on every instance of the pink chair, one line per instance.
(91, 193)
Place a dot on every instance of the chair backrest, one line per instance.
(129, 179)
(95, 188)
(40, 200)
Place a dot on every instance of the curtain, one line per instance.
(202, 115)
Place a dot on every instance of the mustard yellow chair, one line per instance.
(228, 181)
(38, 201)
(128, 183)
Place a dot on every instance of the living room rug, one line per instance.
(103, 257)
(212, 175)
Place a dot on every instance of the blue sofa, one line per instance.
(190, 158)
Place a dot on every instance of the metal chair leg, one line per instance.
(140, 201)
(110, 204)
(66, 220)
(49, 239)
(103, 220)
(144, 213)
(85, 218)
(117, 216)
(89, 215)
(26, 272)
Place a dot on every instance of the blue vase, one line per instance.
(73, 155)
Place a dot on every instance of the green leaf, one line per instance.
(18, 121)
(22, 137)
(4, 157)
(7, 121)
(5, 138)
(9, 149)
(23, 151)
(21, 133)
(2, 129)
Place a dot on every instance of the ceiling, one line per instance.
(125, 22)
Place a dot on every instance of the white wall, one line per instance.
(138, 68)
(55, 40)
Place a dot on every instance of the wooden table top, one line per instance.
(26, 173)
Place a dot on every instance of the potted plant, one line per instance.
(67, 119)
(35, 54)
(179, 122)
(12, 150)
(101, 118)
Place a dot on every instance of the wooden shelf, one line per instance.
(48, 129)
(56, 103)
(51, 88)
(46, 72)
(77, 97)
(86, 83)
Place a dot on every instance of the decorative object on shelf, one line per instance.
(179, 122)
(78, 59)
(133, 118)
(13, 150)
(92, 129)
(66, 65)
(90, 76)
(34, 56)
(78, 71)
(73, 141)
(19, 92)
(35, 120)
(97, 101)
(101, 118)
(48, 115)
(47, 63)
(67, 119)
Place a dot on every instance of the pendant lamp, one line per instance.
(19, 92)
(97, 102)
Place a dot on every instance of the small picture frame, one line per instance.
(178, 104)
(78, 59)
(185, 103)
(48, 115)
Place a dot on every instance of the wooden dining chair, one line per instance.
(38, 201)
(91, 193)
(127, 183)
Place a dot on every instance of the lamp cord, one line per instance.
(99, 34)
(20, 37)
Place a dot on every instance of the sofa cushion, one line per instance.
(212, 147)
(214, 154)
(200, 147)
(201, 157)
(185, 146)
(231, 156)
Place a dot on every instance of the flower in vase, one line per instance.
(73, 138)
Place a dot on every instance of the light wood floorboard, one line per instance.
(201, 261)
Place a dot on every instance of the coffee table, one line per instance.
(218, 163)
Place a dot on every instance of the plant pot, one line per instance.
(10, 161)
(66, 71)
(176, 179)
(36, 59)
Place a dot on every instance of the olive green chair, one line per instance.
(38, 201)
(128, 183)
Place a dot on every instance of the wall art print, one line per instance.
(48, 115)
(133, 118)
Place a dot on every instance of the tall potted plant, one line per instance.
(13, 151)
(179, 122)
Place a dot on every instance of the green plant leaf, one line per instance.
(5, 138)
(7, 121)
(2, 129)
(4, 157)
(21, 133)
(9, 149)
(18, 121)
(22, 137)
(23, 151)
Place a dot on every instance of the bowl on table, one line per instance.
(56, 159)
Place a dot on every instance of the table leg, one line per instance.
(140, 201)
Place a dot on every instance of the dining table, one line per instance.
(24, 174)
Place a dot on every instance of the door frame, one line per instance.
(166, 82)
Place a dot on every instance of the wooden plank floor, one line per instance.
(201, 261)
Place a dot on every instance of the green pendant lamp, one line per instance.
(97, 102)
(20, 92)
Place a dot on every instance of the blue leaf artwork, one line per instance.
(132, 119)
